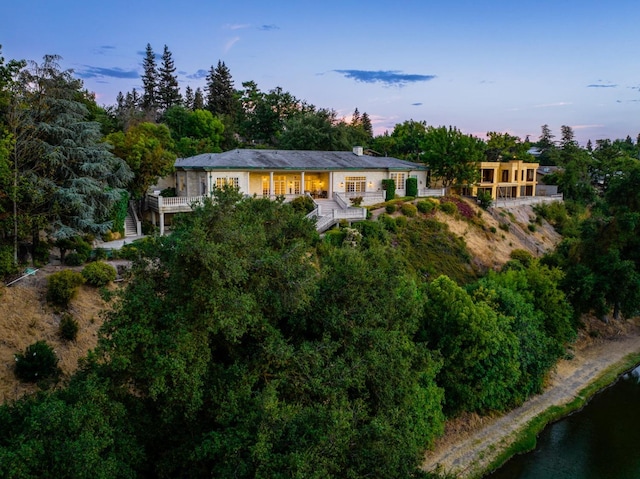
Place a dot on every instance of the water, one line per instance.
(602, 441)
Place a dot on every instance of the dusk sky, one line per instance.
(507, 66)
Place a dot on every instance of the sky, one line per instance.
(505, 66)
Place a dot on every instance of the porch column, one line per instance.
(209, 185)
(161, 224)
(270, 184)
(330, 185)
(302, 189)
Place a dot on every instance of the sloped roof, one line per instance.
(247, 159)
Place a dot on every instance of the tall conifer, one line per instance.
(150, 82)
(168, 90)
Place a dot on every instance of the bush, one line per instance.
(401, 221)
(389, 222)
(504, 226)
(99, 273)
(100, 254)
(425, 206)
(390, 209)
(448, 207)
(522, 255)
(63, 286)
(303, 204)
(74, 259)
(484, 200)
(409, 209)
(7, 265)
(38, 362)
(389, 186)
(531, 227)
(335, 237)
(412, 187)
(68, 328)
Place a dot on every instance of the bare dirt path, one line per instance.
(466, 451)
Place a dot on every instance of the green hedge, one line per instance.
(389, 187)
(63, 286)
(412, 187)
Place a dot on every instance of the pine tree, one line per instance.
(198, 100)
(220, 92)
(366, 125)
(355, 119)
(168, 90)
(150, 83)
(188, 98)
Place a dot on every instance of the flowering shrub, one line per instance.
(463, 207)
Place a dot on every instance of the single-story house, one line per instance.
(327, 176)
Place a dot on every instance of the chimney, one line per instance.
(357, 150)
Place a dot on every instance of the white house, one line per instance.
(330, 177)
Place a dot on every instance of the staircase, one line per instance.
(331, 213)
(130, 226)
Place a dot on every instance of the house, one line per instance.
(505, 179)
(330, 177)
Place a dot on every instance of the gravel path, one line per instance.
(470, 455)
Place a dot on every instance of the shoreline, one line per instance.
(469, 452)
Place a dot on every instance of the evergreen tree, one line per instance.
(188, 98)
(366, 125)
(150, 83)
(198, 100)
(220, 93)
(168, 90)
(68, 179)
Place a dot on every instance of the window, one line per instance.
(221, 182)
(356, 184)
(398, 179)
(530, 174)
(279, 185)
(487, 175)
(505, 176)
(266, 188)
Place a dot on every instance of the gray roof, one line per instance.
(293, 160)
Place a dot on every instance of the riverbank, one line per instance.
(474, 445)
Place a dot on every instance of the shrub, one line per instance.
(303, 204)
(425, 206)
(63, 286)
(504, 226)
(38, 362)
(7, 265)
(409, 209)
(68, 328)
(356, 201)
(484, 200)
(41, 253)
(99, 273)
(412, 187)
(391, 208)
(448, 207)
(389, 186)
(522, 255)
(389, 223)
(401, 221)
(531, 227)
(335, 237)
(99, 254)
(74, 259)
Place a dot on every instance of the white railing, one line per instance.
(349, 214)
(174, 203)
(368, 197)
(526, 200)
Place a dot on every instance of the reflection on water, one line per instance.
(600, 442)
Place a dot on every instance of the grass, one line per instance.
(527, 437)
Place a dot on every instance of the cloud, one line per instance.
(103, 49)
(268, 28)
(586, 127)
(387, 77)
(231, 43)
(237, 26)
(156, 55)
(88, 71)
(549, 105)
(417, 104)
(600, 85)
(198, 75)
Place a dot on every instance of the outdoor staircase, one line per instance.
(130, 226)
(331, 213)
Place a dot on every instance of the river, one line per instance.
(602, 441)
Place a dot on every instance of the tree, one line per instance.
(407, 140)
(479, 351)
(314, 130)
(506, 147)
(168, 90)
(67, 180)
(452, 156)
(198, 100)
(150, 84)
(148, 150)
(188, 98)
(547, 147)
(194, 132)
(220, 92)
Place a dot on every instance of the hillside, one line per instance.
(27, 318)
